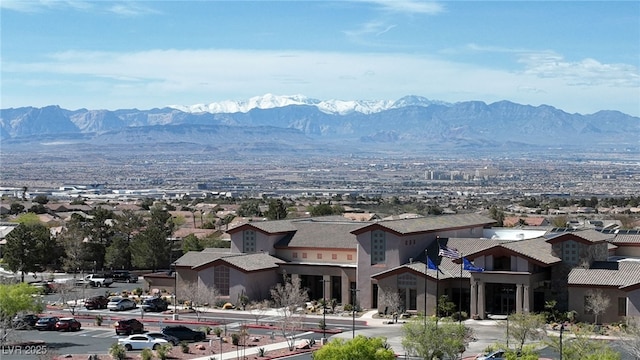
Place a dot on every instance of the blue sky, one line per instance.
(577, 56)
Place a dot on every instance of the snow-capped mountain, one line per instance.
(334, 107)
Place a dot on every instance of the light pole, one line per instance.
(561, 331)
(324, 312)
(508, 292)
(353, 324)
(175, 292)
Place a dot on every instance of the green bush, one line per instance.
(205, 329)
(146, 354)
(185, 347)
(235, 339)
(217, 331)
(163, 351)
(117, 352)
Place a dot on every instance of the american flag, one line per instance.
(447, 252)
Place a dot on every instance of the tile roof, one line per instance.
(246, 262)
(434, 223)
(588, 235)
(322, 234)
(626, 274)
(538, 249)
(626, 239)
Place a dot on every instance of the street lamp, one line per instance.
(324, 312)
(561, 331)
(353, 300)
(175, 291)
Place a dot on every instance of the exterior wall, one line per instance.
(256, 285)
(346, 274)
(633, 305)
(264, 242)
(318, 255)
(576, 303)
(392, 282)
(633, 251)
(395, 255)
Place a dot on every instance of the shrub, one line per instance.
(117, 352)
(146, 354)
(205, 329)
(460, 315)
(217, 331)
(98, 320)
(185, 347)
(138, 291)
(262, 352)
(322, 325)
(235, 339)
(163, 351)
(348, 307)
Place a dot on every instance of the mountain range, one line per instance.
(410, 124)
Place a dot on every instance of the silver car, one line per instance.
(120, 304)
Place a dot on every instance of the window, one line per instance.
(295, 255)
(248, 241)
(334, 256)
(407, 288)
(378, 247)
(304, 255)
(622, 306)
(570, 252)
(319, 256)
(221, 279)
(349, 257)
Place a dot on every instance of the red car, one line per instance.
(128, 327)
(68, 324)
(96, 302)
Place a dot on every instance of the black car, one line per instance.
(25, 321)
(96, 302)
(183, 333)
(123, 276)
(47, 323)
(155, 304)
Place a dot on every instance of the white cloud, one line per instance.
(586, 72)
(410, 6)
(160, 77)
(41, 5)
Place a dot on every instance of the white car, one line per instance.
(119, 304)
(141, 341)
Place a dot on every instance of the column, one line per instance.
(519, 298)
(346, 291)
(474, 299)
(527, 297)
(326, 287)
(481, 300)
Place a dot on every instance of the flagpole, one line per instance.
(460, 294)
(426, 271)
(437, 281)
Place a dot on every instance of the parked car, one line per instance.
(184, 333)
(496, 355)
(155, 304)
(123, 276)
(120, 304)
(171, 339)
(68, 324)
(142, 341)
(95, 280)
(25, 321)
(46, 323)
(96, 302)
(128, 327)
